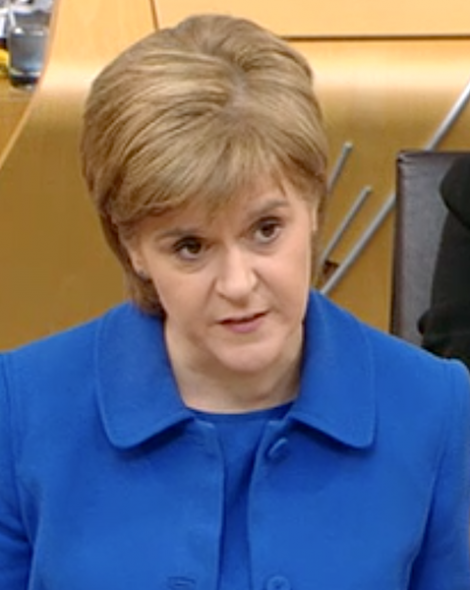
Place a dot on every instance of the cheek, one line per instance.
(170, 296)
(291, 274)
(296, 274)
(299, 258)
(164, 284)
(179, 296)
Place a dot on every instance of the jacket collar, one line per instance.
(137, 393)
(138, 397)
(337, 393)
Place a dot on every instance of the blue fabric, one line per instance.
(239, 436)
(107, 481)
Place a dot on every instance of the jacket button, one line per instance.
(278, 583)
(181, 583)
(279, 450)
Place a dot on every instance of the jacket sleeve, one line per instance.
(15, 553)
(444, 560)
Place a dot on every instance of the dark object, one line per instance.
(446, 324)
(27, 46)
(420, 215)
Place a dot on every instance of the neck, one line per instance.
(237, 393)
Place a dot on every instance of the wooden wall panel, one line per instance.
(335, 17)
(13, 104)
(383, 96)
(55, 269)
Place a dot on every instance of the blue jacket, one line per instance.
(108, 482)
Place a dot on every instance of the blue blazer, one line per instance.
(108, 482)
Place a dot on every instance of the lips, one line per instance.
(244, 324)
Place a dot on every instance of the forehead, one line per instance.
(260, 200)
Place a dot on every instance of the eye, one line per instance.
(267, 230)
(188, 248)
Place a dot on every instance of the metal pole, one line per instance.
(340, 163)
(388, 206)
(347, 220)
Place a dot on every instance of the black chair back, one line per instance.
(419, 217)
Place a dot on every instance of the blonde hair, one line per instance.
(198, 112)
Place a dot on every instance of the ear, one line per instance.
(314, 214)
(134, 252)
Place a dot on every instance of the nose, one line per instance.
(236, 277)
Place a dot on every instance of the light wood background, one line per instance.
(333, 18)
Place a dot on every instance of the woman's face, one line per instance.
(233, 287)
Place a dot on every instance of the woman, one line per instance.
(227, 429)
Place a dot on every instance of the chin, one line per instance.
(249, 362)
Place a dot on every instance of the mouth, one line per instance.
(244, 324)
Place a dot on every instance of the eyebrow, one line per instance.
(268, 207)
(178, 232)
(264, 209)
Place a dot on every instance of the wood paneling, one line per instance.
(13, 104)
(335, 17)
(56, 271)
(383, 96)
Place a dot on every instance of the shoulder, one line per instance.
(59, 350)
(49, 387)
(397, 368)
(413, 407)
(41, 368)
(75, 342)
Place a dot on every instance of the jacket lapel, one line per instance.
(137, 394)
(337, 395)
(138, 397)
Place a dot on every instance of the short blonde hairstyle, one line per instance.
(198, 113)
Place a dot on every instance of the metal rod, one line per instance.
(345, 223)
(449, 121)
(359, 246)
(338, 167)
(388, 206)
